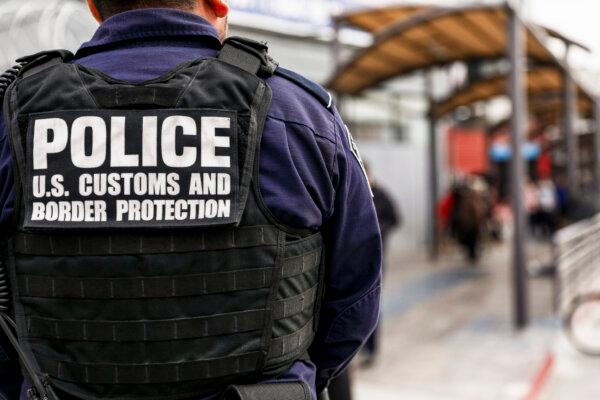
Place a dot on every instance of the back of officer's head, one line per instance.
(108, 8)
(215, 11)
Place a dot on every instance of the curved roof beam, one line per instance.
(432, 37)
(377, 19)
(543, 83)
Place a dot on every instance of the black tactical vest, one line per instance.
(143, 262)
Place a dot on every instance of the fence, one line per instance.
(577, 250)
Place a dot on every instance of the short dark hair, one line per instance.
(108, 8)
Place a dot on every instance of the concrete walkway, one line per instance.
(447, 335)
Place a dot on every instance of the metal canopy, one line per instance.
(544, 85)
(549, 111)
(432, 37)
(376, 20)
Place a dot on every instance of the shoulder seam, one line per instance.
(320, 94)
(331, 209)
(287, 121)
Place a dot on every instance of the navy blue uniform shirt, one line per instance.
(309, 178)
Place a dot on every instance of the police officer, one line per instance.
(184, 218)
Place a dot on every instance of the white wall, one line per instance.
(401, 168)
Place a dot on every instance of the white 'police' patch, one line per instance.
(131, 169)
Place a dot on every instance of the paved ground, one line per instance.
(447, 335)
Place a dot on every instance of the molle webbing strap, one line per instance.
(131, 96)
(147, 243)
(137, 331)
(290, 345)
(143, 287)
(304, 246)
(301, 264)
(139, 374)
(295, 305)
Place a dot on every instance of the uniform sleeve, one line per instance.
(6, 176)
(10, 380)
(350, 308)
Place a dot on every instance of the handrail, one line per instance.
(577, 255)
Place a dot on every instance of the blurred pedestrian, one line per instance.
(544, 219)
(389, 218)
(469, 210)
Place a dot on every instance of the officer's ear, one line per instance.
(95, 11)
(219, 7)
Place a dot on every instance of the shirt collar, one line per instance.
(149, 23)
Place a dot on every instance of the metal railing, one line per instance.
(577, 250)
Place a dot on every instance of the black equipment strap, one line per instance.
(273, 391)
(148, 243)
(147, 331)
(249, 55)
(138, 374)
(41, 390)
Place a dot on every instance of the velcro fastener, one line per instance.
(127, 96)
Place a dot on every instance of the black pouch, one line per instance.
(274, 391)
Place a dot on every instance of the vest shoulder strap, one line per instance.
(37, 62)
(249, 55)
(324, 97)
(32, 64)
